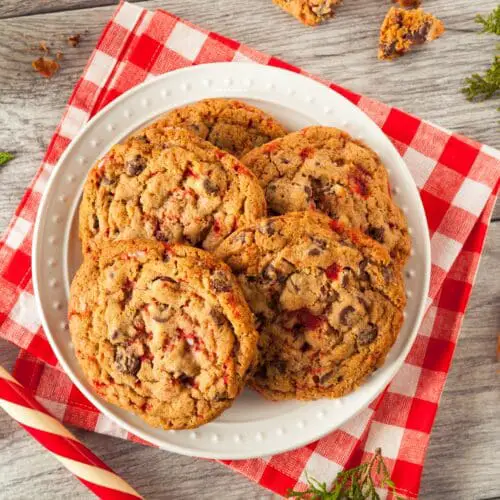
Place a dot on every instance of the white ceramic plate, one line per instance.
(252, 427)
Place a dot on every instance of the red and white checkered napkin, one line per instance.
(457, 179)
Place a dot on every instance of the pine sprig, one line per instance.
(481, 87)
(357, 483)
(491, 23)
(5, 157)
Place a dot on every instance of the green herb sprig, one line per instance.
(491, 23)
(5, 157)
(479, 87)
(357, 483)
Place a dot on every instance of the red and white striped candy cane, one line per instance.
(51, 434)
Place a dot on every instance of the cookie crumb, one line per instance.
(46, 66)
(408, 3)
(309, 12)
(402, 29)
(74, 40)
(43, 47)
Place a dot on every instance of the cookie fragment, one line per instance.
(408, 3)
(325, 169)
(309, 12)
(231, 125)
(403, 29)
(167, 184)
(326, 319)
(153, 337)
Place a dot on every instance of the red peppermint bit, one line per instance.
(217, 227)
(225, 378)
(359, 185)
(240, 169)
(138, 383)
(147, 357)
(235, 225)
(168, 248)
(148, 407)
(271, 147)
(306, 153)
(308, 319)
(332, 272)
(73, 313)
(336, 225)
(234, 306)
(220, 154)
(189, 173)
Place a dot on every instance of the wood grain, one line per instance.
(463, 458)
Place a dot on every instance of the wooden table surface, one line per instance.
(463, 461)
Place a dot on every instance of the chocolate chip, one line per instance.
(95, 222)
(306, 347)
(160, 235)
(135, 165)
(388, 274)
(320, 243)
(126, 362)
(363, 274)
(143, 138)
(210, 187)
(389, 49)
(106, 181)
(267, 228)
(314, 252)
(377, 233)
(220, 282)
(222, 397)
(345, 315)
(279, 364)
(368, 335)
(236, 348)
(186, 380)
(160, 319)
(218, 316)
(418, 37)
(325, 377)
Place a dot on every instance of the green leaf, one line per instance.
(5, 157)
(482, 87)
(491, 23)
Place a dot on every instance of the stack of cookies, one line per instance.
(221, 252)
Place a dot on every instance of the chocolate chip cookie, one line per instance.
(324, 168)
(404, 29)
(231, 125)
(309, 12)
(168, 184)
(328, 302)
(163, 331)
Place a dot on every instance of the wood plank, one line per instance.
(15, 8)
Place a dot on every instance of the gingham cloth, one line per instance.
(457, 179)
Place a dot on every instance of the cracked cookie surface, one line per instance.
(309, 12)
(170, 185)
(163, 331)
(231, 125)
(328, 302)
(324, 168)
